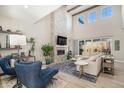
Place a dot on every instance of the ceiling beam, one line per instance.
(73, 8)
(85, 10)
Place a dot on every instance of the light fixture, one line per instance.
(25, 6)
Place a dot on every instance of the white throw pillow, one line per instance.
(94, 53)
(12, 62)
(93, 58)
(98, 59)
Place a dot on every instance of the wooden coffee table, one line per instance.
(81, 63)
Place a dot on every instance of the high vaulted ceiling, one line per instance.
(30, 14)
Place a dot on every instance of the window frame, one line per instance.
(89, 14)
(101, 16)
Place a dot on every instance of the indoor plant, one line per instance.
(81, 51)
(47, 50)
(32, 48)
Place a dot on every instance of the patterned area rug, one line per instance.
(70, 68)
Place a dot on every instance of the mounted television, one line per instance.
(61, 40)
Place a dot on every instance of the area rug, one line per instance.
(70, 68)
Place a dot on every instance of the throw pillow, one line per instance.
(93, 58)
(12, 62)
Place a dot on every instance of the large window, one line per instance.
(92, 17)
(81, 19)
(106, 11)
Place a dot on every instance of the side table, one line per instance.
(108, 65)
(81, 63)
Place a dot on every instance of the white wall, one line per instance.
(44, 31)
(13, 25)
(40, 31)
(111, 26)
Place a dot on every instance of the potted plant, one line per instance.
(69, 55)
(32, 48)
(81, 51)
(47, 50)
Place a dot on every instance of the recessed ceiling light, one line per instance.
(25, 6)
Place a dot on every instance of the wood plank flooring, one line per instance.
(104, 80)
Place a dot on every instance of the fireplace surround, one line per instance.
(60, 52)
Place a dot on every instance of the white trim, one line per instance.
(119, 61)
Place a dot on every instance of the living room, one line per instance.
(74, 41)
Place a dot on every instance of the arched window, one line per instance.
(81, 19)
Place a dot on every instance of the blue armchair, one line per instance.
(31, 75)
(5, 65)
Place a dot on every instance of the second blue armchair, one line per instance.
(31, 75)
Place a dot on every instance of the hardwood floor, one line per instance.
(104, 80)
(68, 81)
